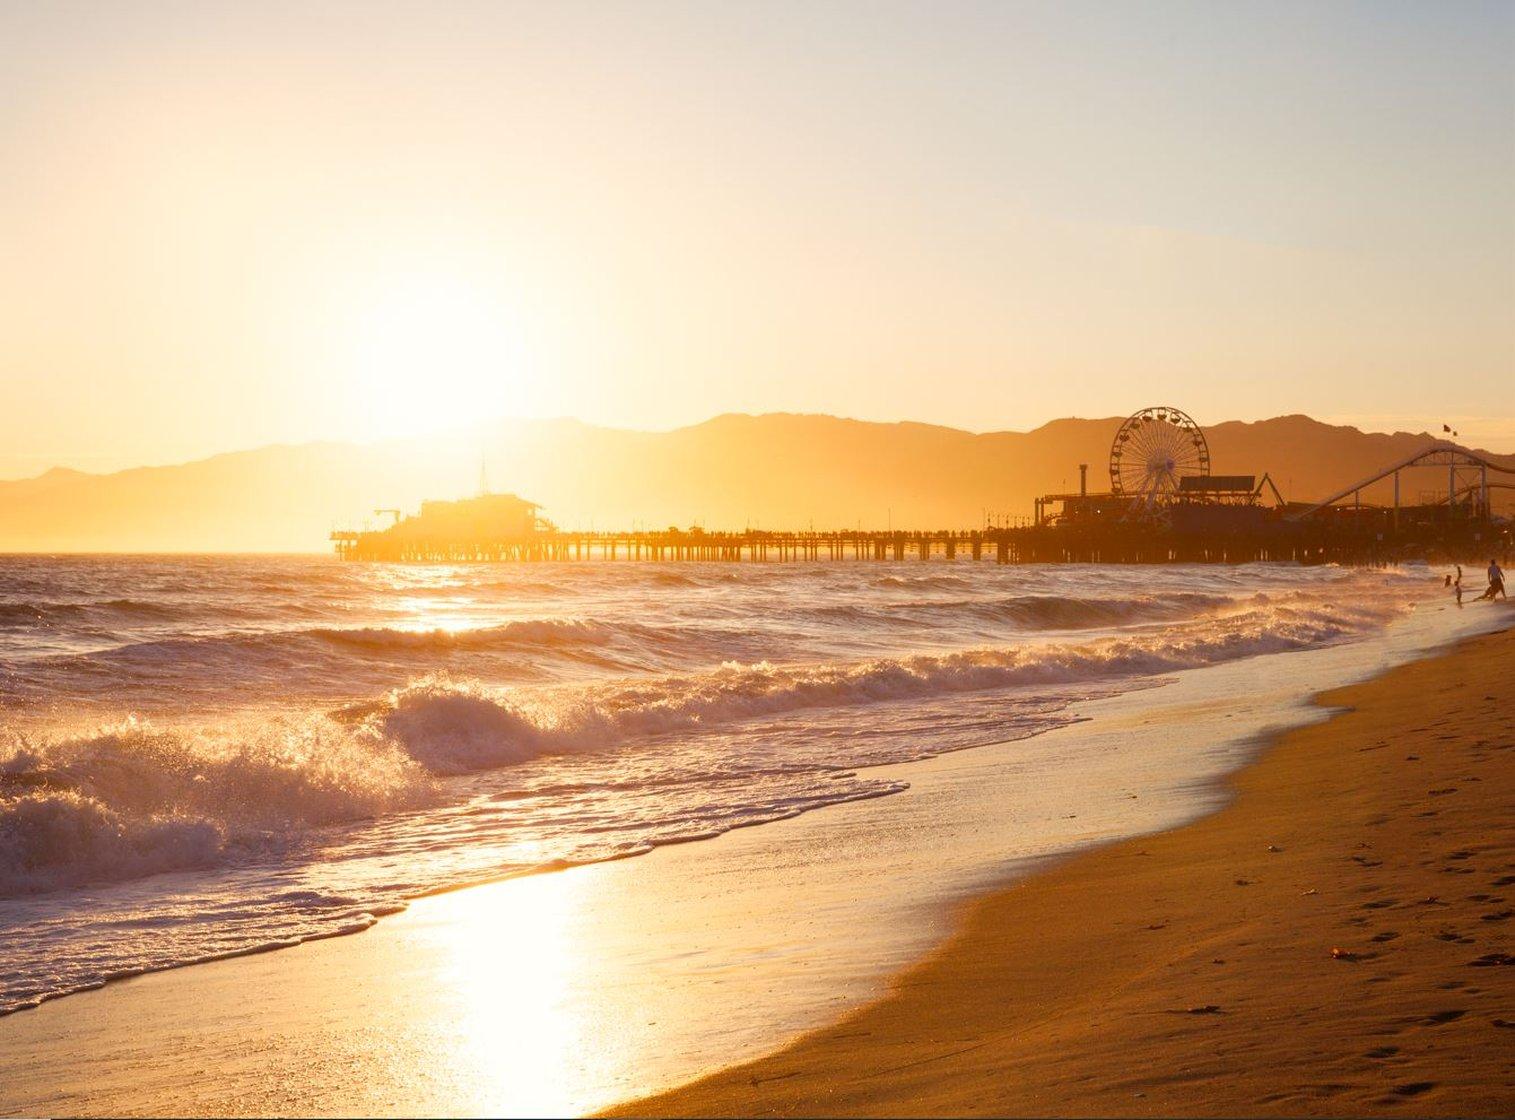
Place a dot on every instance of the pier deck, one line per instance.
(1115, 544)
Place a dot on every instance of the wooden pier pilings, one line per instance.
(751, 546)
(1046, 544)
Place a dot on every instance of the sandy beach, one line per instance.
(1337, 941)
(1190, 970)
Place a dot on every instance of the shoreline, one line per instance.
(1332, 941)
(640, 975)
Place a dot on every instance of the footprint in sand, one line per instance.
(1490, 960)
(1413, 1088)
(1437, 1018)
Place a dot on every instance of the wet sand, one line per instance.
(1338, 940)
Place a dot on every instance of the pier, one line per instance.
(1163, 506)
(1317, 543)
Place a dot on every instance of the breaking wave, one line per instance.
(133, 799)
(451, 728)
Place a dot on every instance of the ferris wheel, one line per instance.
(1153, 450)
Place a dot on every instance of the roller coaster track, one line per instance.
(1470, 490)
(1439, 454)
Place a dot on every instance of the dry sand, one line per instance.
(1336, 941)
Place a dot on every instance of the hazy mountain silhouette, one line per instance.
(776, 470)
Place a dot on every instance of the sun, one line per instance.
(431, 351)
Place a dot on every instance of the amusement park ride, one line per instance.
(1160, 475)
(1159, 464)
(1153, 451)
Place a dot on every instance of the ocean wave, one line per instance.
(128, 615)
(924, 580)
(133, 800)
(51, 838)
(1036, 612)
(532, 634)
(46, 613)
(539, 635)
(454, 727)
(326, 657)
(619, 641)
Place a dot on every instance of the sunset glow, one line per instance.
(767, 558)
(233, 226)
(424, 352)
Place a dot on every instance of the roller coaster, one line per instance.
(1468, 483)
(1162, 493)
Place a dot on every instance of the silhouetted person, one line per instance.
(1496, 582)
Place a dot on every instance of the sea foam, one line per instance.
(135, 799)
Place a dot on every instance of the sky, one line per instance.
(226, 225)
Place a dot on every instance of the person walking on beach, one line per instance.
(1496, 582)
(1457, 586)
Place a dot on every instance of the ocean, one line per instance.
(202, 757)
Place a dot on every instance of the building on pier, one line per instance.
(469, 528)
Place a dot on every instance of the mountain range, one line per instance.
(772, 471)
